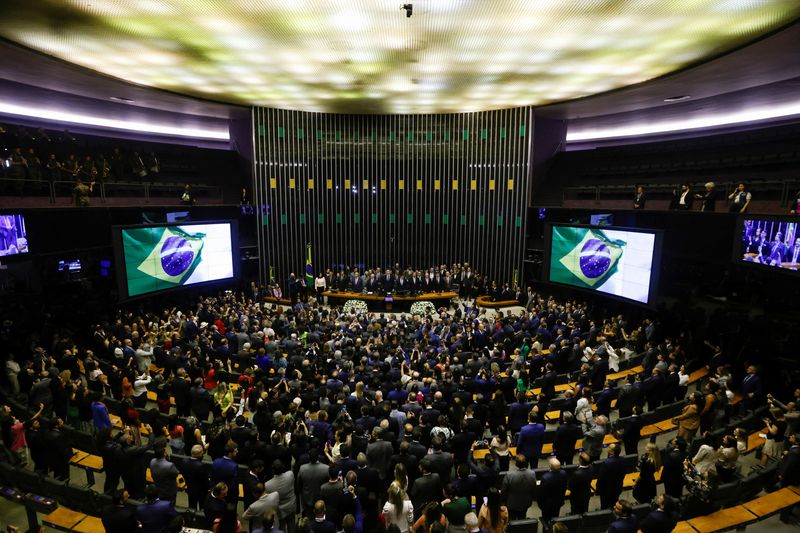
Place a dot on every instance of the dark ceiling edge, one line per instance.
(86, 71)
(696, 64)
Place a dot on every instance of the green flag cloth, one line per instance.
(160, 258)
(583, 257)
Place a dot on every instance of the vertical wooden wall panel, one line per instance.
(365, 206)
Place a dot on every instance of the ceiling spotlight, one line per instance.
(409, 9)
(680, 98)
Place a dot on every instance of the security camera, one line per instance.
(409, 9)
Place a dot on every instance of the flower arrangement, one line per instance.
(355, 306)
(423, 307)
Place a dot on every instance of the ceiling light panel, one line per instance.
(366, 56)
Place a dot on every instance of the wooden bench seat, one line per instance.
(90, 524)
(774, 502)
(729, 518)
(63, 519)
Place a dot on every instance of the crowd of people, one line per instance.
(460, 278)
(334, 421)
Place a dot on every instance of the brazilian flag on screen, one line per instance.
(160, 258)
(583, 257)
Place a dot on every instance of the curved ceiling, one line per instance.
(366, 56)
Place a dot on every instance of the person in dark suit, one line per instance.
(604, 399)
(155, 515)
(789, 470)
(552, 491)
(119, 517)
(751, 388)
(653, 389)
(661, 519)
(519, 486)
(549, 381)
(640, 198)
(580, 485)
(683, 199)
(624, 519)
(629, 395)
(196, 474)
(566, 436)
(708, 198)
(611, 477)
(531, 438)
(182, 392)
(439, 462)
(226, 470)
(426, 488)
(215, 503)
(164, 473)
(672, 474)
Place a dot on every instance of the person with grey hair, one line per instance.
(593, 435)
(709, 198)
(196, 475)
(471, 523)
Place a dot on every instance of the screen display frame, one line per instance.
(655, 269)
(121, 268)
(19, 255)
(736, 255)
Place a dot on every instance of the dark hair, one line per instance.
(493, 504)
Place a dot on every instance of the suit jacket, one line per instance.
(658, 522)
(120, 519)
(196, 473)
(789, 467)
(156, 517)
(566, 437)
(310, 478)
(427, 488)
(552, 489)
(225, 470)
(624, 525)
(519, 487)
(611, 477)
(379, 454)
(164, 473)
(580, 486)
(751, 384)
(530, 440)
(440, 463)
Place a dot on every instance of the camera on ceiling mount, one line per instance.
(409, 9)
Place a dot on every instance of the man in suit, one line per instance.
(789, 470)
(380, 451)
(439, 462)
(751, 388)
(182, 392)
(215, 503)
(580, 485)
(593, 437)
(604, 399)
(226, 470)
(552, 491)
(629, 396)
(196, 473)
(310, 478)
(793, 253)
(531, 438)
(155, 514)
(426, 488)
(519, 486)
(662, 518)
(624, 519)
(611, 477)
(653, 389)
(566, 436)
(672, 473)
(119, 517)
(264, 502)
(164, 473)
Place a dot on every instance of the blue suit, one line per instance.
(529, 442)
(156, 516)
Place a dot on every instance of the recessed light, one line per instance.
(680, 98)
(121, 99)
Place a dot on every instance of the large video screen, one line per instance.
(13, 235)
(770, 242)
(615, 261)
(164, 257)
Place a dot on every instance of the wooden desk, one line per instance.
(724, 519)
(485, 301)
(375, 299)
(754, 441)
(684, 527)
(90, 524)
(63, 519)
(92, 462)
(772, 503)
(697, 375)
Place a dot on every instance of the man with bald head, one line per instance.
(552, 491)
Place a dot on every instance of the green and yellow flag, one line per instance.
(309, 268)
(583, 257)
(160, 258)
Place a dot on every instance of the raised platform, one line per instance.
(390, 302)
(485, 301)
